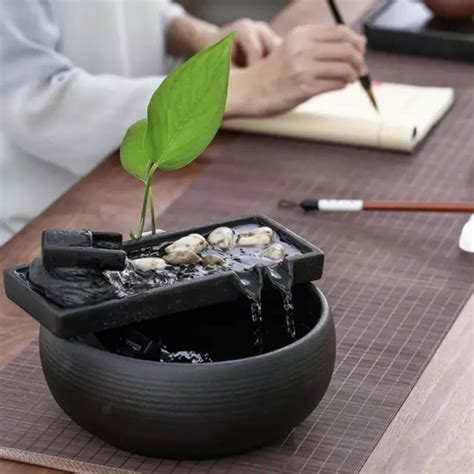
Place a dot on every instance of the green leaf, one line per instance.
(132, 151)
(186, 111)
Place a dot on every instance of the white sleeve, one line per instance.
(171, 11)
(50, 108)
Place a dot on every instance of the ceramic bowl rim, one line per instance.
(324, 318)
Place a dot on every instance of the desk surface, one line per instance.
(432, 431)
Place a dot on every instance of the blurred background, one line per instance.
(221, 12)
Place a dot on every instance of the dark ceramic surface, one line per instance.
(82, 248)
(190, 411)
(204, 291)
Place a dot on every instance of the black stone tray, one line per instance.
(407, 26)
(204, 291)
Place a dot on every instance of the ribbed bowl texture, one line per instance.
(193, 411)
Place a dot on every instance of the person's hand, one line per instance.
(311, 60)
(253, 41)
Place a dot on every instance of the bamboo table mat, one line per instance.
(396, 283)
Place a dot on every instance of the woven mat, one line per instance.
(396, 283)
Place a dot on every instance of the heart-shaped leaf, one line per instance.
(132, 151)
(186, 111)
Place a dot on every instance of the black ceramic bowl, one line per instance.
(191, 411)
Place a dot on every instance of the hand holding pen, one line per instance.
(311, 60)
(365, 80)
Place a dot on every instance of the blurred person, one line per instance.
(221, 12)
(452, 9)
(74, 75)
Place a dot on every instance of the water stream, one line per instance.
(251, 284)
(281, 278)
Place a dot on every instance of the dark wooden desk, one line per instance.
(432, 431)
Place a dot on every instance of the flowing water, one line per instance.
(281, 278)
(251, 284)
(289, 318)
(184, 357)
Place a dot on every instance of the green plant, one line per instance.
(183, 116)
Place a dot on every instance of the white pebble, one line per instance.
(222, 237)
(193, 242)
(148, 233)
(149, 263)
(182, 257)
(274, 252)
(259, 236)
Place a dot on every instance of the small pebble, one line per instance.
(149, 232)
(274, 252)
(194, 242)
(182, 257)
(222, 237)
(211, 259)
(149, 263)
(259, 236)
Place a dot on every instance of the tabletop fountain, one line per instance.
(188, 344)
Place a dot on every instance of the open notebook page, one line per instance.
(407, 113)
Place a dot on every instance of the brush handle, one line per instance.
(354, 205)
(335, 12)
(366, 81)
(414, 206)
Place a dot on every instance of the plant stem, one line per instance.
(146, 198)
(141, 224)
(152, 213)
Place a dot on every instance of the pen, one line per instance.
(365, 81)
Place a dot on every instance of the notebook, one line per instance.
(406, 116)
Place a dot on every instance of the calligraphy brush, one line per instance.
(365, 81)
(354, 205)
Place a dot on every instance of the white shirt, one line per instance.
(74, 75)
